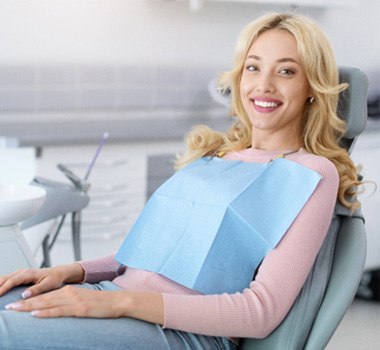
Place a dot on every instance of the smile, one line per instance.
(266, 104)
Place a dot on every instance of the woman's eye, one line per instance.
(287, 71)
(251, 68)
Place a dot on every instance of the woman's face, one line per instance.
(274, 90)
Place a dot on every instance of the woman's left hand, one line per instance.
(77, 302)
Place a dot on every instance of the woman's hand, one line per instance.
(74, 301)
(42, 280)
(81, 302)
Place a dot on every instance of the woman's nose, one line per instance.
(265, 83)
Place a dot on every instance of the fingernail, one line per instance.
(26, 294)
(35, 312)
(12, 306)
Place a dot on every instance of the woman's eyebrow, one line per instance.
(280, 60)
(254, 57)
(287, 59)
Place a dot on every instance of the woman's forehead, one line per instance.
(274, 44)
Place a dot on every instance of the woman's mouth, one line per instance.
(266, 106)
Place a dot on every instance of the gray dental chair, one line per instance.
(336, 274)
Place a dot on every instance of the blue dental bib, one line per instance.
(211, 224)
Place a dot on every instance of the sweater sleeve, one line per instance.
(102, 269)
(258, 310)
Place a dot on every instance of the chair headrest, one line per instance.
(352, 105)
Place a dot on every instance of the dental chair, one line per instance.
(334, 279)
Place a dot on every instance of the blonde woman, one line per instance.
(250, 237)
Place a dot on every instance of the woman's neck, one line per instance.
(276, 143)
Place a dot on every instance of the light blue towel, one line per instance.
(210, 225)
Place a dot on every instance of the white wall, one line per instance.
(162, 32)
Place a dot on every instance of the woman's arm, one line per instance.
(47, 279)
(101, 269)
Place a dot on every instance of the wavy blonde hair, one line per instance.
(322, 128)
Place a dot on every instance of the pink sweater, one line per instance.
(256, 311)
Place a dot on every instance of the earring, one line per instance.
(311, 99)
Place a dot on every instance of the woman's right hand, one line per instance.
(42, 280)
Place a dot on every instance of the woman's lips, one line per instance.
(266, 105)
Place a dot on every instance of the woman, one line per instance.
(285, 89)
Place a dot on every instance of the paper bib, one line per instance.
(211, 224)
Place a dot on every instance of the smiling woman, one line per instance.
(232, 235)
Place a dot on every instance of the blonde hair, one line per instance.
(322, 128)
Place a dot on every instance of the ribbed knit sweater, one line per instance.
(256, 311)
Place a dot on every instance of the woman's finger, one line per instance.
(45, 285)
(54, 299)
(35, 303)
(50, 313)
(12, 280)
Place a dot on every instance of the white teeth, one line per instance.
(266, 104)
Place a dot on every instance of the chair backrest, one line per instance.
(335, 276)
(346, 273)
(352, 106)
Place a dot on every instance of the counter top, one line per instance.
(57, 128)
